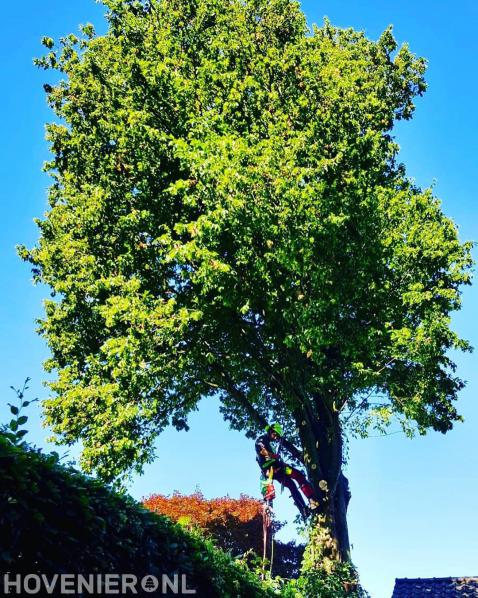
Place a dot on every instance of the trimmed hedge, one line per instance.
(54, 519)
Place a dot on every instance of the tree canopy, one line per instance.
(228, 217)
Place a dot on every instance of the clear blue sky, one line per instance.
(413, 511)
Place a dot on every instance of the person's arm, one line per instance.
(264, 451)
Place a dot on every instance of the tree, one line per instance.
(236, 524)
(228, 217)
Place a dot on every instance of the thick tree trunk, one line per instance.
(322, 441)
(341, 501)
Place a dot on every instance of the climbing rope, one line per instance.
(272, 547)
(267, 528)
(267, 516)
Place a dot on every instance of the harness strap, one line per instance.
(268, 463)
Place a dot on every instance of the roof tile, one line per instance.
(436, 587)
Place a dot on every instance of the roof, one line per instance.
(436, 587)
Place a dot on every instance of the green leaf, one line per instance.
(47, 42)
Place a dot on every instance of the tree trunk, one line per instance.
(341, 501)
(321, 438)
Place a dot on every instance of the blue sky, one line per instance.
(413, 511)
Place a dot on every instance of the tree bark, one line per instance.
(321, 437)
(341, 502)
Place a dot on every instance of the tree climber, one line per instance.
(273, 467)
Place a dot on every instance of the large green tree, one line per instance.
(228, 218)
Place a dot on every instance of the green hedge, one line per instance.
(54, 519)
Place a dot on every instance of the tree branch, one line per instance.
(242, 398)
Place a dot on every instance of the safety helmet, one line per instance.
(276, 427)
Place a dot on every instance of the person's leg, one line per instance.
(300, 478)
(286, 481)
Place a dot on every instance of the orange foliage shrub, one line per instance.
(235, 524)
